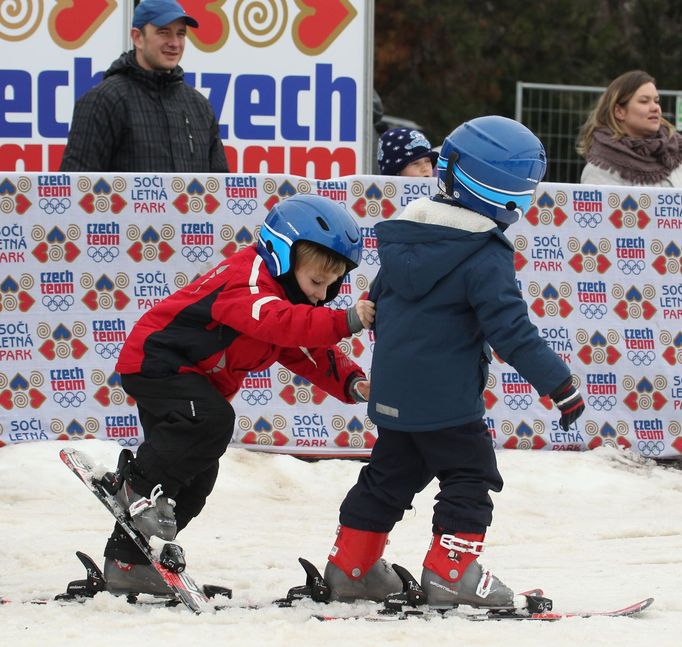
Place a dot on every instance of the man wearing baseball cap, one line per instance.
(160, 13)
(143, 117)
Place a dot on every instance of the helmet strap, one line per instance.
(449, 175)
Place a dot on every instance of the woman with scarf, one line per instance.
(626, 141)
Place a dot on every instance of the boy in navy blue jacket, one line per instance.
(445, 291)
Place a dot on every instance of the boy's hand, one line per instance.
(569, 401)
(360, 316)
(358, 389)
(363, 389)
(366, 312)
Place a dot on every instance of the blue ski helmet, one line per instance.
(314, 219)
(492, 165)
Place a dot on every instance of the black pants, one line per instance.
(187, 427)
(404, 463)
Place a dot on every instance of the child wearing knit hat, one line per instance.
(407, 152)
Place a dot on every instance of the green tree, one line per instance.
(440, 62)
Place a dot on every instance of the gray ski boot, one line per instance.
(153, 516)
(355, 570)
(452, 576)
(379, 582)
(131, 579)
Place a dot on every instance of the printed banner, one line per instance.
(83, 255)
(288, 80)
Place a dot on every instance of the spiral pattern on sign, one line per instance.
(260, 22)
(177, 185)
(227, 232)
(358, 188)
(303, 186)
(23, 183)
(212, 184)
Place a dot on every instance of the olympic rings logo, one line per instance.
(590, 220)
(108, 350)
(103, 254)
(651, 447)
(54, 205)
(593, 310)
(256, 396)
(242, 206)
(370, 256)
(631, 266)
(342, 301)
(194, 254)
(518, 402)
(127, 442)
(602, 402)
(642, 358)
(58, 302)
(67, 399)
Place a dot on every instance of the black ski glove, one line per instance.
(569, 401)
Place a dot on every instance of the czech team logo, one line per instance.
(589, 257)
(598, 348)
(673, 347)
(627, 213)
(104, 293)
(193, 196)
(75, 429)
(667, 259)
(109, 390)
(257, 388)
(634, 303)
(12, 198)
(21, 393)
(235, 241)
(550, 301)
(102, 196)
(298, 390)
(56, 245)
(103, 240)
(607, 435)
(150, 244)
(242, 195)
(15, 295)
(353, 433)
(645, 393)
(371, 201)
(62, 342)
(263, 432)
(523, 435)
(286, 189)
(548, 210)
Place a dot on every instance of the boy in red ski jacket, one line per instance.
(188, 355)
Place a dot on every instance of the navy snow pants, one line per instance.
(403, 463)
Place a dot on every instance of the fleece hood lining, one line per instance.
(430, 212)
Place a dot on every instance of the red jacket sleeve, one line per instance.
(327, 368)
(254, 304)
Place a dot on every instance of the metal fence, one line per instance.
(555, 113)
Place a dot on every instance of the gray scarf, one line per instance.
(641, 160)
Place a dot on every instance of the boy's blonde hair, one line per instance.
(321, 257)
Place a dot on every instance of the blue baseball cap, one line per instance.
(160, 13)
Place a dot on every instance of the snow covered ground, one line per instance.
(596, 530)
